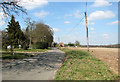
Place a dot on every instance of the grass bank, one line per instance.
(80, 65)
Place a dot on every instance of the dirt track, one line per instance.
(107, 55)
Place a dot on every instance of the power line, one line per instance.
(75, 26)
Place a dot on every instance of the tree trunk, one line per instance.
(11, 49)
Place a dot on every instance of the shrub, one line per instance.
(70, 44)
(26, 46)
(41, 45)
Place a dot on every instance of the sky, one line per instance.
(67, 19)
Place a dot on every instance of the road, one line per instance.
(42, 66)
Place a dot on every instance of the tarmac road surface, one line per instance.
(42, 66)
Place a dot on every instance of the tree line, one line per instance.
(38, 36)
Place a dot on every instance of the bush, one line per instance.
(71, 44)
(25, 47)
(4, 47)
(41, 45)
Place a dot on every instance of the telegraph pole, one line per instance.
(87, 28)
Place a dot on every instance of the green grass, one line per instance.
(29, 50)
(8, 55)
(80, 65)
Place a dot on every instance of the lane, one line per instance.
(41, 67)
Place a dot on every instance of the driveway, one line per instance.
(42, 66)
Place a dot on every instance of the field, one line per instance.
(107, 55)
(81, 65)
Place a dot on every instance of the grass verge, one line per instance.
(29, 50)
(80, 65)
(8, 55)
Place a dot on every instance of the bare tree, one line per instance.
(77, 43)
(43, 33)
(31, 27)
(10, 7)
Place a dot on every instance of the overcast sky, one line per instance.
(68, 22)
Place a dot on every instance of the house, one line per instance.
(61, 44)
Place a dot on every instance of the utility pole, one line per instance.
(87, 28)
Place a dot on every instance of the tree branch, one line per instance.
(11, 7)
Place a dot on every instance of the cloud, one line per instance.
(67, 22)
(91, 29)
(92, 23)
(67, 38)
(77, 14)
(105, 35)
(99, 15)
(68, 15)
(41, 14)
(55, 29)
(93, 32)
(31, 4)
(114, 22)
(2, 22)
(101, 3)
(89, 23)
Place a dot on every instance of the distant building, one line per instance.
(61, 44)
